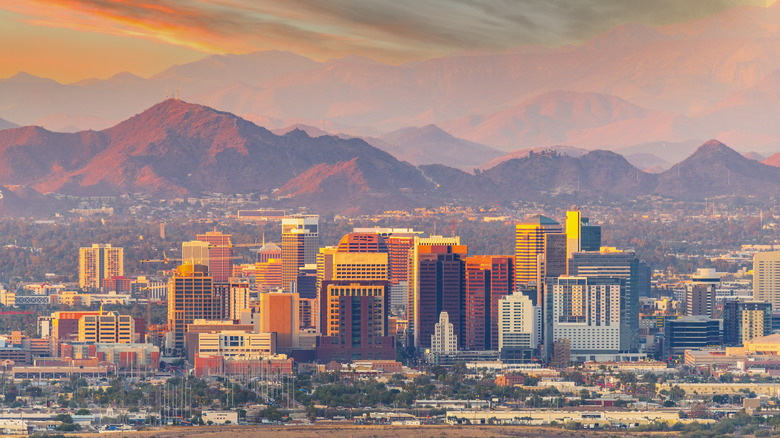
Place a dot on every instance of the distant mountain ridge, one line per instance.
(177, 149)
(631, 87)
(432, 145)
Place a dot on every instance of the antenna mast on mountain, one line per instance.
(166, 92)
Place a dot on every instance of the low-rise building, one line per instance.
(220, 417)
(587, 418)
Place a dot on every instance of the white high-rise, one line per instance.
(587, 313)
(444, 339)
(519, 322)
(766, 277)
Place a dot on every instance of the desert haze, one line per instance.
(631, 87)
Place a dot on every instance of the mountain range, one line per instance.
(176, 149)
(633, 87)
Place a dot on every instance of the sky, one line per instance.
(71, 40)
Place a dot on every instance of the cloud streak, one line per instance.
(391, 31)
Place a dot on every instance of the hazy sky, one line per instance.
(68, 40)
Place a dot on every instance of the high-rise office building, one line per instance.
(220, 255)
(611, 263)
(529, 244)
(190, 297)
(555, 258)
(398, 241)
(353, 315)
(440, 281)
(519, 322)
(488, 279)
(195, 252)
(269, 251)
(268, 275)
(745, 320)
(691, 332)
(444, 339)
(358, 257)
(362, 242)
(587, 312)
(581, 235)
(99, 262)
(422, 245)
(700, 293)
(398, 246)
(300, 243)
(766, 277)
(279, 314)
(239, 297)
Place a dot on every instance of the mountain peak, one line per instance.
(27, 78)
(713, 146)
(176, 110)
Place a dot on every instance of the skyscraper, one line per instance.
(279, 314)
(239, 297)
(300, 243)
(195, 252)
(358, 257)
(422, 245)
(220, 255)
(610, 263)
(269, 251)
(766, 277)
(587, 312)
(353, 315)
(444, 339)
(268, 275)
(700, 293)
(488, 279)
(519, 322)
(99, 262)
(745, 320)
(580, 234)
(190, 297)
(529, 243)
(440, 281)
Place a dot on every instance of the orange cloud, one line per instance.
(390, 31)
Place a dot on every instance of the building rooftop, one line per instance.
(538, 219)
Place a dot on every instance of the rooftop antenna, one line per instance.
(453, 227)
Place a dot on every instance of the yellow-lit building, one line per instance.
(190, 297)
(268, 275)
(236, 344)
(110, 327)
(7, 298)
(530, 243)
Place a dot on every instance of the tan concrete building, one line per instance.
(111, 327)
(766, 277)
(98, 262)
(235, 344)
